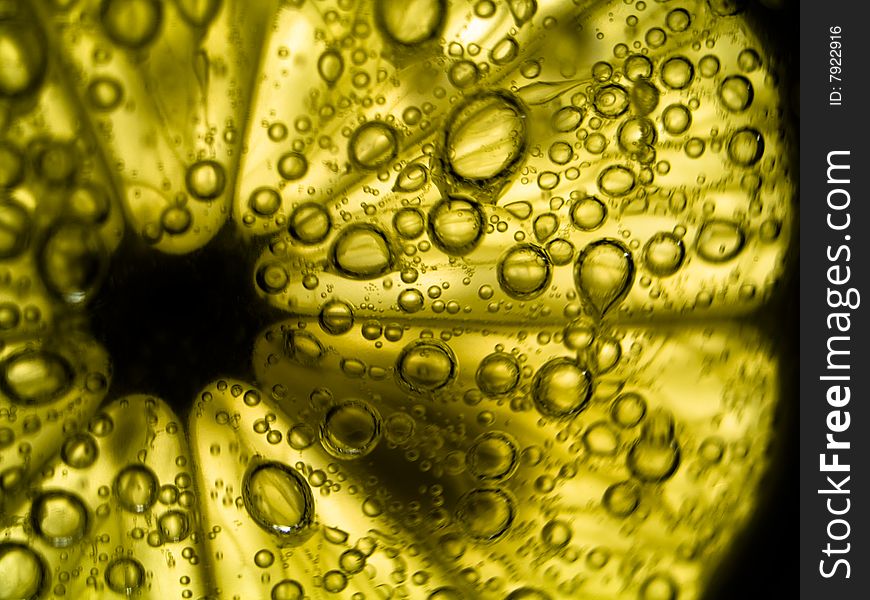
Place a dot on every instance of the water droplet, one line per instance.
(504, 51)
(588, 213)
(561, 251)
(131, 23)
(409, 223)
(104, 93)
(334, 581)
(352, 561)
(676, 119)
(60, 518)
(561, 388)
(35, 377)
(373, 145)
(426, 365)
(125, 575)
(659, 586)
(746, 147)
(22, 572)
(336, 317)
(278, 498)
(493, 456)
(524, 272)
(399, 428)
(15, 227)
(621, 499)
(637, 67)
(410, 22)
(523, 10)
(309, 223)
(73, 262)
(556, 533)
(292, 166)
(411, 300)
(655, 457)
(23, 56)
(677, 72)
(198, 13)
(719, 241)
(351, 429)
(89, 203)
(678, 20)
(287, 589)
(567, 118)
(498, 374)
(264, 558)
(136, 488)
(265, 201)
(604, 273)
(486, 137)
(663, 254)
(303, 348)
(456, 225)
(708, 66)
(599, 438)
(727, 8)
(330, 65)
(463, 74)
(611, 101)
(628, 410)
(272, 278)
(636, 135)
(736, 93)
(174, 525)
(616, 180)
(361, 252)
(486, 514)
(412, 178)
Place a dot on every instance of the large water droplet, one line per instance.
(498, 374)
(486, 514)
(486, 137)
(361, 252)
(719, 241)
(125, 575)
(206, 179)
(663, 254)
(72, 262)
(35, 376)
(309, 223)
(15, 227)
(59, 517)
(736, 93)
(561, 388)
(493, 456)
(131, 23)
(336, 317)
(524, 272)
(410, 22)
(746, 147)
(22, 572)
(373, 145)
(278, 498)
(136, 488)
(22, 58)
(604, 273)
(79, 451)
(621, 499)
(456, 225)
(426, 365)
(351, 429)
(330, 65)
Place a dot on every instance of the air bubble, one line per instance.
(604, 273)
(278, 499)
(351, 429)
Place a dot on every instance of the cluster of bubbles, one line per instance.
(464, 210)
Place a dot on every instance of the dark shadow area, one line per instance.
(172, 324)
(764, 561)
